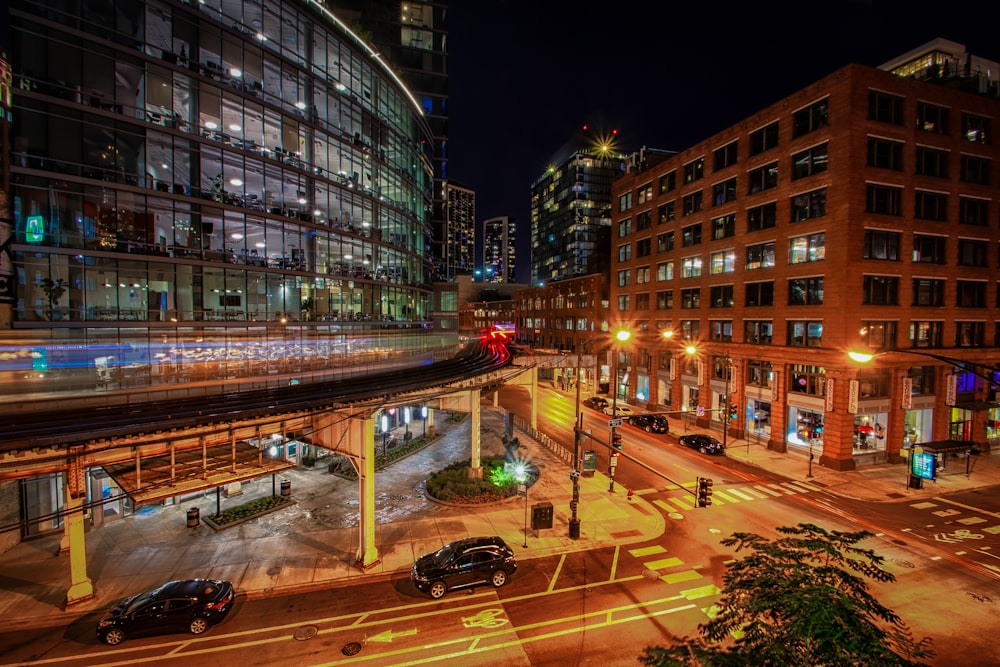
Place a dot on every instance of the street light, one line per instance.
(521, 475)
(423, 415)
(622, 336)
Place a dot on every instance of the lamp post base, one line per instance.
(574, 529)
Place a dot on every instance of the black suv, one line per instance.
(473, 561)
(596, 402)
(650, 423)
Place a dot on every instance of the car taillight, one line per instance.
(219, 604)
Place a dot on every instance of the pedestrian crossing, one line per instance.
(655, 558)
(733, 495)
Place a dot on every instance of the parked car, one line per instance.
(473, 561)
(619, 411)
(193, 605)
(596, 402)
(650, 423)
(705, 444)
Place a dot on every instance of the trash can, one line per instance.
(194, 516)
(286, 487)
(541, 516)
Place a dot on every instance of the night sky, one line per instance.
(525, 76)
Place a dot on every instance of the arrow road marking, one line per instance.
(389, 635)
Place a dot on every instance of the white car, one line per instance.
(621, 410)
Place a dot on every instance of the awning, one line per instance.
(946, 446)
(978, 406)
(157, 478)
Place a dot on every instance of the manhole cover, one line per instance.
(306, 632)
(903, 563)
(676, 515)
(274, 571)
(351, 649)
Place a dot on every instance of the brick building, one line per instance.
(858, 212)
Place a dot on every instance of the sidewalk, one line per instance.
(314, 544)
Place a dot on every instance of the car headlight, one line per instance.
(105, 622)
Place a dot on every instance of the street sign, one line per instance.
(701, 411)
(615, 422)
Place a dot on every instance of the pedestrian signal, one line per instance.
(616, 440)
(704, 492)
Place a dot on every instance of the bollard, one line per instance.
(193, 517)
(286, 487)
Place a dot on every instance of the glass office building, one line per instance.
(210, 190)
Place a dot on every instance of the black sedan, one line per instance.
(191, 605)
(596, 402)
(705, 444)
(473, 561)
(650, 423)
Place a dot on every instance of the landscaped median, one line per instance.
(253, 509)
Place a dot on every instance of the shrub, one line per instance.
(249, 509)
(452, 484)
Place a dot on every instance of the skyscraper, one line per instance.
(459, 240)
(499, 250)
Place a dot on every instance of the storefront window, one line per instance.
(804, 426)
(869, 432)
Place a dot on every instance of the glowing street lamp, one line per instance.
(622, 336)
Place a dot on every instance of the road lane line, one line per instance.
(555, 575)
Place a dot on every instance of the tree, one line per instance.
(54, 290)
(798, 600)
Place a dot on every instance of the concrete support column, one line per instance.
(362, 434)
(430, 422)
(81, 588)
(476, 467)
(533, 390)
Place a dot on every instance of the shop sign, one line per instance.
(829, 395)
(951, 389)
(907, 398)
(852, 396)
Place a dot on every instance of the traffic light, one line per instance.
(704, 492)
(616, 440)
(733, 411)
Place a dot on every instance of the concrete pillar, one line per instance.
(81, 588)
(430, 422)
(533, 390)
(476, 467)
(362, 434)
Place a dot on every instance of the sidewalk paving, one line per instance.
(314, 544)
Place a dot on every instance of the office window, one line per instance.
(691, 267)
(811, 161)
(624, 302)
(644, 247)
(726, 156)
(811, 118)
(884, 199)
(971, 294)
(880, 291)
(762, 217)
(971, 252)
(760, 373)
(808, 205)
(880, 244)
(930, 206)
(976, 128)
(758, 332)
(665, 242)
(624, 228)
(624, 252)
(809, 380)
(973, 211)
(809, 248)
(805, 291)
(691, 297)
(932, 118)
(926, 333)
(664, 271)
(885, 154)
(879, 335)
(691, 235)
(722, 296)
(694, 170)
(666, 212)
(760, 256)
(759, 294)
(644, 192)
(804, 334)
(970, 334)
(665, 300)
(691, 203)
(885, 108)
(929, 249)
(764, 139)
(642, 301)
(643, 220)
(932, 162)
(724, 192)
(721, 331)
(975, 169)
(625, 202)
(763, 178)
(690, 330)
(668, 182)
(624, 277)
(724, 227)
(723, 261)
(928, 292)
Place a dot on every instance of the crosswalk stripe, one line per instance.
(681, 576)
(783, 490)
(663, 563)
(647, 551)
(722, 494)
(809, 486)
(797, 487)
(682, 503)
(756, 494)
(770, 492)
(737, 492)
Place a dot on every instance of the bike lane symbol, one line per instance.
(487, 618)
